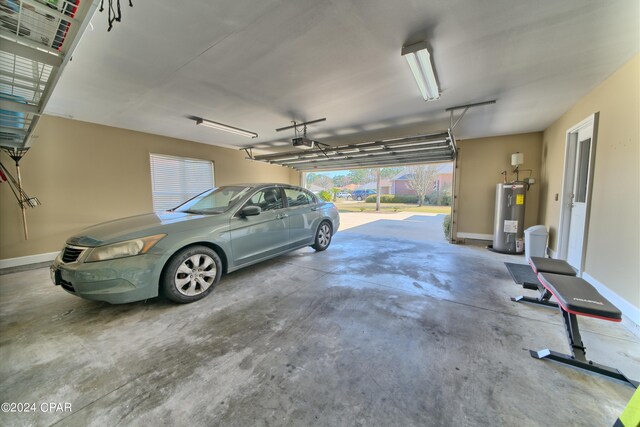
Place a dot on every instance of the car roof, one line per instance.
(261, 185)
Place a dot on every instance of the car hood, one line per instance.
(134, 227)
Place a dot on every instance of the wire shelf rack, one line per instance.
(37, 38)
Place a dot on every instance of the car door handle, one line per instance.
(282, 216)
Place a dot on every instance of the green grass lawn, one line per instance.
(391, 208)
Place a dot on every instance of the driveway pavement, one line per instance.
(401, 225)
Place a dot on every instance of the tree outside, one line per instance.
(341, 180)
(310, 177)
(422, 179)
(362, 176)
(324, 182)
(388, 173)
(347, 177)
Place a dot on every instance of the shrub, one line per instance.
(445, 199)
(431, 199)
(325, 195)
(405, 198)
(446, 226)
(384, 198)
(390, 198)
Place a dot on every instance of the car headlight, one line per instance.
(124, 249)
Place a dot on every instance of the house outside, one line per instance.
(385, 186)
(349, 187)
(400, 183)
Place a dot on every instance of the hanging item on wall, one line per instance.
(115, 15)
(16, 185)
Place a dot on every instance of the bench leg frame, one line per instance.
(537, 301)
(543, 298)
(578, 357)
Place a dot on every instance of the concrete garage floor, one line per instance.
(374, 331)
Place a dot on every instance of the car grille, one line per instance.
(71, 254)
(66, 285)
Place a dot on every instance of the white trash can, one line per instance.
(535, 241)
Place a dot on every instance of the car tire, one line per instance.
(323, 236)
(359, 198)
(191, 274)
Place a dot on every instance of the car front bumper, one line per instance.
(115, 281)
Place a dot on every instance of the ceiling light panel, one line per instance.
(419, 60)
(226, 128)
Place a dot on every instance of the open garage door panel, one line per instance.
(436, 147)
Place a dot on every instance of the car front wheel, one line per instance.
(191, 274)
(323, 237)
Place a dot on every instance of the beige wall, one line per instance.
(613, 247)
(480, 162)
(85, 173)
(295, 177)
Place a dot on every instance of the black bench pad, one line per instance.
(577, 296)
(550, 265)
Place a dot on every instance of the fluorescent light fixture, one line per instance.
(419, 59)
(226, 128)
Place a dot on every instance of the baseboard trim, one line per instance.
(628, 310)
(476, 236)
(29, 259)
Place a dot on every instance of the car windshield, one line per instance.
(214, 201)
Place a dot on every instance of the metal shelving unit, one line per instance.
(37, 38)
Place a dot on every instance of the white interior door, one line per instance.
(579, 196)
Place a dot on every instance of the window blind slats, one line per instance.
(175, 180)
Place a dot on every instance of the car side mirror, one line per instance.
(250, 211)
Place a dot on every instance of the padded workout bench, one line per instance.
(546, 265)
(576, 297)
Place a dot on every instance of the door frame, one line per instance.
(567, 187)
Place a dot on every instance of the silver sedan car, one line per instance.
(183, 252)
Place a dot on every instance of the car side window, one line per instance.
(268, 199)
(297, 197)
(312, 197)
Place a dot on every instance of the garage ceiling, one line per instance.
(260, 65)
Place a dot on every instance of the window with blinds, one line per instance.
(175, 180)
